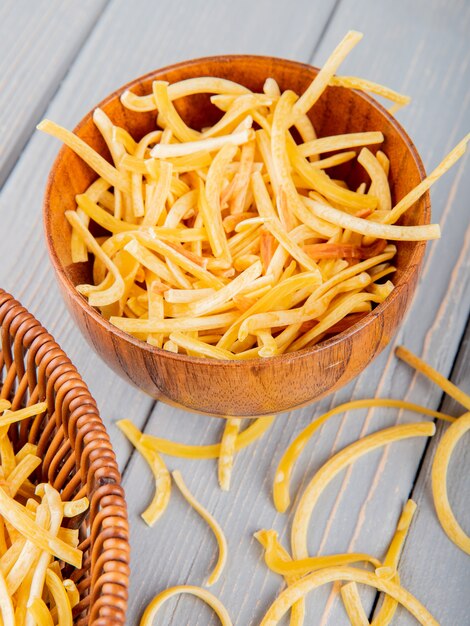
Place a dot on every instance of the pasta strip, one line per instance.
(18, 476)
(282, 165)
(416, 193)
(353, 605)
(158, 468)
(187, 451)
(276, 229)
(40, 613)
(54, 503)
(156, 202)
(200, 348)
(322, 79)
(187, 87)
(150, 240)
(61, 598)
(169, 115)
(298, 609)
(379, 185)
(440, 468)
(335, 159)
(322, 183)
(170, 325)
(390, 564)
(154, 606)
(441, 381)
(300, 589)
(28, 555)
(226, 293)
(242, 106)
(374, 229)
(351, 302)
(340, 142)
(277, 562)
(115, 291)
(15, 515)
(352, 82)
(164, 151)
(242, 178)
(90, 156)
(10, 417)
(219, 535)
(227, 451)
(289, 458)
(210, 202)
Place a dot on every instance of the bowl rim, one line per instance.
(259, 362)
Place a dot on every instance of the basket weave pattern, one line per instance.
(78, 459)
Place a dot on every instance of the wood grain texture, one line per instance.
(256, 386)
(39, 42)
(427, 547)
(359, 510)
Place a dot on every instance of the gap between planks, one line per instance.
(24, 134)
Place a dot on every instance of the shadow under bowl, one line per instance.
(259, 386)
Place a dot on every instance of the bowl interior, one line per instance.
(338, 111)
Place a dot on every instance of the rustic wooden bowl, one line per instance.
(258, 386)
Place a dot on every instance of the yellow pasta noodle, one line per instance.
(352, 604)
(154, 606)
(161, 498)
(334, 465)
(218, 532)
(291, 455)
(389, 568)
(346, 574)
(227, 451)
(439, 482)
(256, 429)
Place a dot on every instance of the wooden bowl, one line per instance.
(258, 386)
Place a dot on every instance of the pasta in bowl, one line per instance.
(243, 237)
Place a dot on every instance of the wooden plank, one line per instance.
(39, 42)
(432, 567)
(360, 509)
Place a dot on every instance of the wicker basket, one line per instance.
(78, 458)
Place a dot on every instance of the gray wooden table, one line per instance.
(58, 58)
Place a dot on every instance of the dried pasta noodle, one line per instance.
(227, 451)
(154, 606)
(289, 458)
(337, 463)
(220, 208)
(219, 535)
(32, 538)
(210, 451)
(299, 589)
(162, 476)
